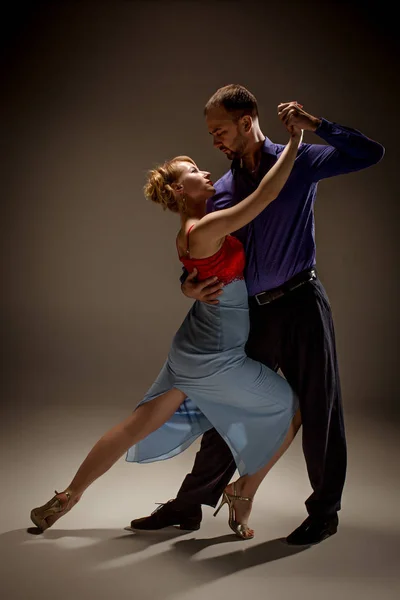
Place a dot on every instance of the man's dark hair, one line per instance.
(234, 98)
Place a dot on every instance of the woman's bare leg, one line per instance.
(147, 418)
(247, 485)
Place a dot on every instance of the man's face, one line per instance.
(226, 132)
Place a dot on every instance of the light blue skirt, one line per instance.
(249, 405)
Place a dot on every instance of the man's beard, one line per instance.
(240, 147)
(230, 154)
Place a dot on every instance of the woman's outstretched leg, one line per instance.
(111, 446)
(247, 485)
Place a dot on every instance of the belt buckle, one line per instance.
(311, 276)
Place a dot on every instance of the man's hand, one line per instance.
(206, 291)
(295, 118)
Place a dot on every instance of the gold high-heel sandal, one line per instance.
(52, 507)
(242, 530)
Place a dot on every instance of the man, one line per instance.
(291, 324)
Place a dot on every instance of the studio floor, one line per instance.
(88, 554)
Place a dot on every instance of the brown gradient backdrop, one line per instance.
(94, 94)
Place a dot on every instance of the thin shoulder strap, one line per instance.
(187, 241)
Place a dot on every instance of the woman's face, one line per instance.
(197, 185)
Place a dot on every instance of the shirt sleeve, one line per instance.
(348, 150)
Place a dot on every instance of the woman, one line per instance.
(207, 380)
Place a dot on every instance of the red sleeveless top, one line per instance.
(227, 263)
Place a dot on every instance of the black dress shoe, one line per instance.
(186, 517)
(313, 530)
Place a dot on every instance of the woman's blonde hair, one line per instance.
(158, 187)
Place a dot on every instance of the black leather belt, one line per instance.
(293, 283)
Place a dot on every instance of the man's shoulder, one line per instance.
(304, 147)
(306, 154)
(224, 183)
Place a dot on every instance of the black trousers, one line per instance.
(294, 333)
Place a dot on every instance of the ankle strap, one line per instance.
(244, 498)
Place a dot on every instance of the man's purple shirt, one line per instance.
(280, 242)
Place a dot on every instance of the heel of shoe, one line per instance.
(223, 501)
